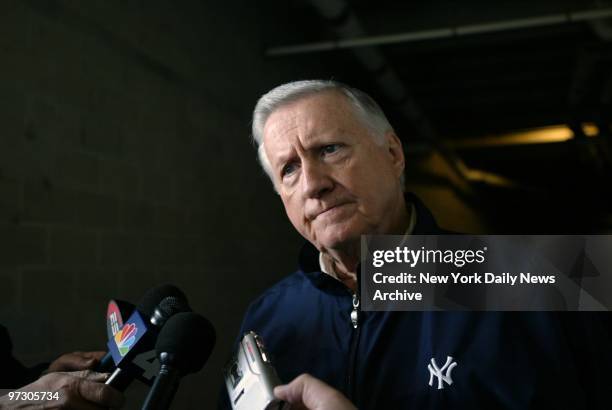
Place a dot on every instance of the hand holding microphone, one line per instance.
(75, 361)
(83, 390)
(154, 308)
(86, 389)
(132, 347)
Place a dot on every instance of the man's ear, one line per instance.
(395, 151)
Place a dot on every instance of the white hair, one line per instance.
(366, 109)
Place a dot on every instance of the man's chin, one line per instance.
(339, 241)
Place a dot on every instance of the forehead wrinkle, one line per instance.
(278, 134)
(298, 127)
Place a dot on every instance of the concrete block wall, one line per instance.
(125, 163)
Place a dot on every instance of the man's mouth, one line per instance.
(331, 209)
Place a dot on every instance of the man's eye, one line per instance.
(288, 169)
(330, 149)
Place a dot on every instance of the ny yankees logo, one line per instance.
(434, 370)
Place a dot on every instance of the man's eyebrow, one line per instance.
(331, 136)
(283, 158)
(321, 140)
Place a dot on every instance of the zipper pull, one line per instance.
(355, 311)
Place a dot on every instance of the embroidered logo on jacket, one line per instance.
(436, 371)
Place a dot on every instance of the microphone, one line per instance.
(116, 312)
(183, 346)
(132, 347)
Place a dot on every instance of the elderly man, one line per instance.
(337, 166)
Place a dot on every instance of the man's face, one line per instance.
(336, 182)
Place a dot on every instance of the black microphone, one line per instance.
(183, 346)
(150, 301)
(132, 348)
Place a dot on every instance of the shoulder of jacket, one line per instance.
(286, 287)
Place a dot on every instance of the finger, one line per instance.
(90, 375)
(97, 355)
(294, 391)
(283, 392)
(90, 355)
(314, 394)
(100, 394)
(290, 394)
(72, 361)
(71, 400)
(90, 359)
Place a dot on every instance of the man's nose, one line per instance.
(316, 180)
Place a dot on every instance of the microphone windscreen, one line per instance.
(154, 296)
(189, 338)
(171, 305)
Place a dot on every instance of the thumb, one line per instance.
(97, 355)
(292, 394)
(296, 391)
(80, 362)
(307, 392)
(91, 375)
(281, 391)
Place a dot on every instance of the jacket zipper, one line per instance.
(355, 311)
(355, 315)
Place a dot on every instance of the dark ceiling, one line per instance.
(552, 68)
(473, 84)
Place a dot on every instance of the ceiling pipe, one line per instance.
(602, 27)
(358, 40)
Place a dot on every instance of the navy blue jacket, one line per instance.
(512, 360)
